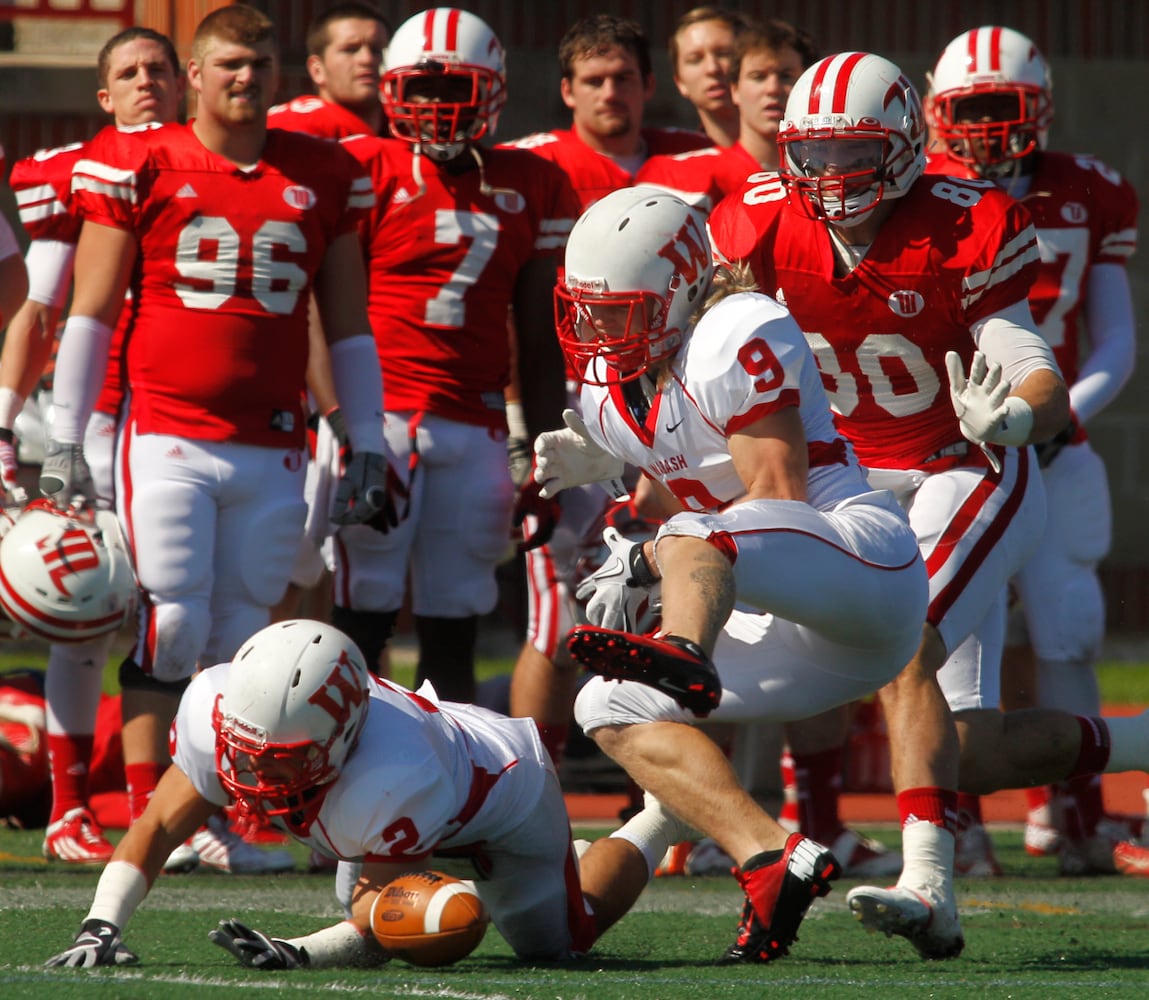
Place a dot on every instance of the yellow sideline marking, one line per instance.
(1047, 909)
(5, 856)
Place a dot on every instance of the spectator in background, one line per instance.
(701, 49)
(991, 105)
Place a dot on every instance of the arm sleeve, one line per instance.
(1112, 342)
(1008, 337)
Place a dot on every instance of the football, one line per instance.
(429, 918)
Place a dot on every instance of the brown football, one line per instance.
(429, 918)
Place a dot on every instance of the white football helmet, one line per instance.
(991, 62)
(852, 135)
(638, 266)
(444, 81)
(66, 576)
(290, 713)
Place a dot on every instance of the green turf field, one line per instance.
(1028, 935)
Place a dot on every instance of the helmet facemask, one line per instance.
(442, 107)
(840, 175)
(991, 128)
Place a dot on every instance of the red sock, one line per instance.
(554, 736)
(1083, 806)
(791, 814)
(142, 780)
(929, 804)
(1094, 753)
(818, 777)
(1037, 797)
(969, 809)
(68, 760)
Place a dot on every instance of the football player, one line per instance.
(991, 105)
(701, 50)
(711, 390)
(607, 79)
(140, 81)
(912, 292)
(298, 730)
(227, 226)
(459, 236)
(767, 59)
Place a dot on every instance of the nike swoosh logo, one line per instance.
(671, 428)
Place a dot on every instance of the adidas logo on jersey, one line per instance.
(187, 191)
(401, 196)
(174, 452)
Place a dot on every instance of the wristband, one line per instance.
(641, 573)
(340, 944)
(1016, 427)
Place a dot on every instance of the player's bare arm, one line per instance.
(771, 458)
(543, 391)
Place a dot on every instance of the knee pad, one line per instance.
(369, 630)
(132, 676)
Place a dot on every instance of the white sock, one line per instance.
(927, 858)
(653, 831)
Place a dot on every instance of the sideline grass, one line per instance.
(1027, 934)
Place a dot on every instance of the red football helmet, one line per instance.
(290, 713)
(444, 81)
(991, 98)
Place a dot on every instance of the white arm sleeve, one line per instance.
(49, 264)
(359, 389)
(1112, 341)
(81, 364)
(1010, 338)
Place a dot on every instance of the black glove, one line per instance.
(1047, 451)
(370, 493)
(255, 949)
(529, 503)
(98, 943)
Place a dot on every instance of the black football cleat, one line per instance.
(675, 666)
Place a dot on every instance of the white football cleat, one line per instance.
(973, 852)
(863, 857)
(182, 859)
(221, 848)
(927, 918)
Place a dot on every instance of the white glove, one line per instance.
(569, 458)
(98, 943)
(255, 949)
(64, 474)
(985, 410)
(622, 594)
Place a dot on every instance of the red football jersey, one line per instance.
(218, 348)
(702, 177)
(315, 116)
(953, 252)
(444, 250)
(1085, 213)
(42, 184)
(594, 175)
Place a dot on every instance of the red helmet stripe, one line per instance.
(429, 31)
(452, 29)
(842, 84)
(816, 87)
(995, 50)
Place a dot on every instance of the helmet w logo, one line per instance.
(340, 692)
(687, 251)
(73, 552)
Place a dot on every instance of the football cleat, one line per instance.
(76, 838)
(973, 852)
(221, 848)
(779, 887)
(927, 918)
(1102, 854)
(1041, 841)
(182, 860)
(675, 666)
(862, 857)
(674, 860)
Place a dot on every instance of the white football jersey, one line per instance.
(745, 359)
(425, 776)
